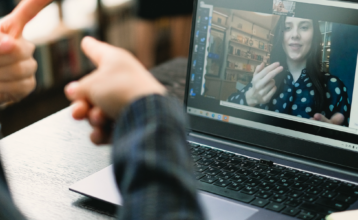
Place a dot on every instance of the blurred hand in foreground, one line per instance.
(348, 215)
(17, 66)
(118, 81)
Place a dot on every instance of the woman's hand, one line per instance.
(118, 81)
(263, 84)
(336, 119)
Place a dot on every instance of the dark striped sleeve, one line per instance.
(8, 209)
(152, 164)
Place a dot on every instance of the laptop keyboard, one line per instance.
(277, 188)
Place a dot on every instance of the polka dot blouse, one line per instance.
(297, 98)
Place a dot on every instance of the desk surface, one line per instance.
(44, 159)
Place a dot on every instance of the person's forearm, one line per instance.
(152, 163)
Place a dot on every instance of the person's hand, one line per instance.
(336, 119)
(17, 66)
(118, 81)
(347, 215)
(263, 84)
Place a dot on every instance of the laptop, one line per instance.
(272, 98)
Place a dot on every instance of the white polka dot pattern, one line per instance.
(299, 97)
(338, 91)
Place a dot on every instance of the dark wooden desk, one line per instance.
(44, 159)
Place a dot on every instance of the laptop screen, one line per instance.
(284, 67)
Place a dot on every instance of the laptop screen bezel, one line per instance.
(269, 140)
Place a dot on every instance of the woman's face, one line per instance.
(297, 38)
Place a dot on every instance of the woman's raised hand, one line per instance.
(263, 84)
(336, 119)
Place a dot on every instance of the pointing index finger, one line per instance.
(15, 22)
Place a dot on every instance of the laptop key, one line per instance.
(221, 158)
(349, 185)
(253, 182)
(306, 174)
(332, 204)
(287, 175)
(225, 175)
(193, 145)
(234, 160)
(347, 190)
(329, 194)
(222, 182)
(314, 207)
(200, 168)
(329, 186)
(320, 217)
(249, 190)
(314, 190)
(333, 181)
(314, 182)
(231, 168)
(208, 155)
(260, 202)
(218, 164)
(299, 186)
(244, 172)
(205, 161)
(300, 179)
(308, 198)
(242, 197)
(272, 171)
(209, 179)
(278, 198)
(285, 182)
(212, 171)
(198, 175)
(293, 202)
(279, 189)
(271, 179)
(346, 199)
(281, 168)
(293, 171)
(239, 179)
(195, 158)
(260, 168)
(264, 194)
(266, 186)
(197, 151)
(306, 215)
(277, 207)
(257, 175)
(294, 194)
(291, 211)
(235, 186)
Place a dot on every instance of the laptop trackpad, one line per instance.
(217, 208)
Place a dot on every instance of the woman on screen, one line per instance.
(294, 83)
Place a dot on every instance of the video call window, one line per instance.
(280, 63)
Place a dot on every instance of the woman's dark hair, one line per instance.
(313, 66)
